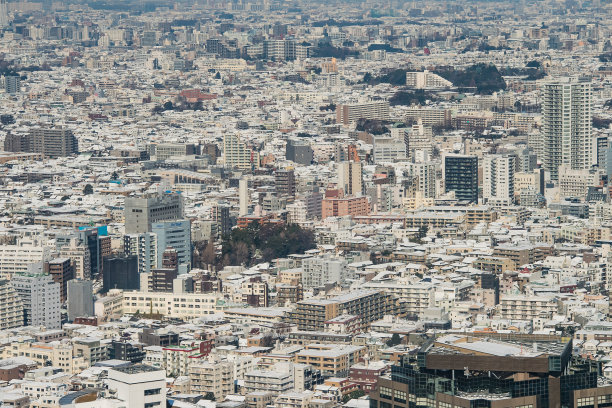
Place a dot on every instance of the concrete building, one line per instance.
(461, 177)
(142, 212)
(567, 125)
(138, 385)
(237, 154)
(51, 142)
(351, 113)
(299, 151)
(11, 306)
(243, 196)
(80, 299)
(388, 149)
(174, 234)
(41, 299)
(350, 177)
(61, 271)
(16, 258)
(212, 377)
(120, 272)
(318, 271)
(284, 181)
(144, 247)
(498, 179)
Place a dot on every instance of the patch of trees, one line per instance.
(601, 123)
(396, 77)
(407, 97)
(486, 78)
(385, 47)
(263, 243)
(532, 74)
(372, 126)
(329, 51)
(179, 107)
(330, 107)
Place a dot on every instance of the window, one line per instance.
(586, 401)
(385, 392)
(153, 391)
(152, 404)
(399, 396)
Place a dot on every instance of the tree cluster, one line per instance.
(264, 242)
(372, 126)
(486, 78)
(407, 97)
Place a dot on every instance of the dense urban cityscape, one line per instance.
(296, 204)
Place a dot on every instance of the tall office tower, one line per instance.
(567, 127)
(284, 181)
(351, 113)
(498, 179)
(141, 212)
(4, 17)
(220, 213)
(601, 144)
(237, 154)
(11, 306)
(350, 177)
(53, 142)
(461, 176)
(41, 299)
(88, 238)
(174, 234)
(120, 273)
(144, 247)
(16, 258)
(61, 271)
(243, 196)
(80, 299)
(12, 83)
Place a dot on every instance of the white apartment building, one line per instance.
(416, 298)
(183, 305)
(214, 377)
(144, 246)
(80, 257)
(138, 385)
(521, 307)
(237, 154)
(16, 258)
(576, 183)
(426, 80)
(41, 299)
(498, 179)
(388, 149)
(426, 173)
(350, 177)
(567, 126)
(318, 271)
(11, 306)
(270, 381)
(351, 113)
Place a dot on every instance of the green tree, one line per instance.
(352, 395)
(395, 340)
(88, 189)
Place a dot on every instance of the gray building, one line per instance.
(80, 299)
(144, 246)
(299, 151)
(174, 234)
(141, 212)
(12, 84)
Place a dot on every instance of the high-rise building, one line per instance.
(174, 234)
(141, 212)
(243, 196)
(284, 181)
(80, 257)
(461, 176)
(120, 273)
(498, 179)
(350, 177)
(40, 297)
(4, 17)
(11, 306)
(80, 299)
(567, 125)
(61, 271)
(161, 278)
(237, 154)
(12, 83)
(426, 176)
(144, 247)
